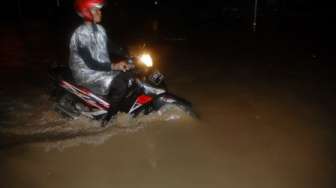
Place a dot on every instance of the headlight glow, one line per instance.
(147, 60)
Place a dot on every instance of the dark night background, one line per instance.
(42, 29)
(306, 21)
(266, 98)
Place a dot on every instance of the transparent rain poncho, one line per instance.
(93, 38)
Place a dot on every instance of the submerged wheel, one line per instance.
(167, 100)
(188, 110)
(175, 111)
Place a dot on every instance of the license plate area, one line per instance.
(156, 78)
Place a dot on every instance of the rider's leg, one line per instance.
(117, 93)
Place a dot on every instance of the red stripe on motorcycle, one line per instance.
(144, 99)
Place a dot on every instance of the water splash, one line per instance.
(39, 125)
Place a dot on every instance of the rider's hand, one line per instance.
(121, 66)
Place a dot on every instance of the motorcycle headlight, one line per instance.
(146, 59)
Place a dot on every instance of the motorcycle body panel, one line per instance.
(144, 96)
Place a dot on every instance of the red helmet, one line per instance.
(83, 8)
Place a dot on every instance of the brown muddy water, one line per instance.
(260, 127)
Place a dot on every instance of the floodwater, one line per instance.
(265, 122)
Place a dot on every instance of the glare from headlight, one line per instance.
(147, 60)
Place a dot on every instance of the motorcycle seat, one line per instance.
(64, 73)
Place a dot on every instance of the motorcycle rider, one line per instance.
(90, 61)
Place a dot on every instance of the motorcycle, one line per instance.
(146, 93)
